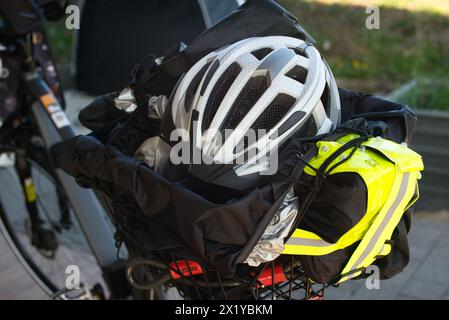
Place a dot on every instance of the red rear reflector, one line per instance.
(186, 268)
(266, 277)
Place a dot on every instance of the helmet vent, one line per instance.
(248, 97)
(270, 117)
(262, 53)
(298, 73)
(209, 75)
(218, 93)
(193, 87)
(300, 52)
(273, 114)
(325, 100)
(309, 129)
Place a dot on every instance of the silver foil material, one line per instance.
(271, 244)
(155, 152)
(126, 100)
(157, 105)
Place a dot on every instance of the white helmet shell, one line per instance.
(276, 86)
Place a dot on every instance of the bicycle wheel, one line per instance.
(58, 243)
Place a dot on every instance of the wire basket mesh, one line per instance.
(282, 279)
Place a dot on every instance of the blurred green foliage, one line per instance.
(432, 93)
(410, 44)
(60, 39)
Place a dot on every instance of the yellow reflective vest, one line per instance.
(391, 172)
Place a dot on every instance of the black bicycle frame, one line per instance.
(55, 127)
(46, 107)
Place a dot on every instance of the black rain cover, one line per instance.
(188, 217)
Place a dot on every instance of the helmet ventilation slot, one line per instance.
(218, 93)
(325, 98)
(298, 73)
(193, 87)
(309, 129)
(248, 97)
(262, 53)
(274, 113)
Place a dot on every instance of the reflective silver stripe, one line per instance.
(308, 242)
(397, 202)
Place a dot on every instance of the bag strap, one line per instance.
(268, 216)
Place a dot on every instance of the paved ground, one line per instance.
(426, 277)
(15, 283)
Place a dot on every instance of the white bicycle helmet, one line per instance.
(277, 84)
